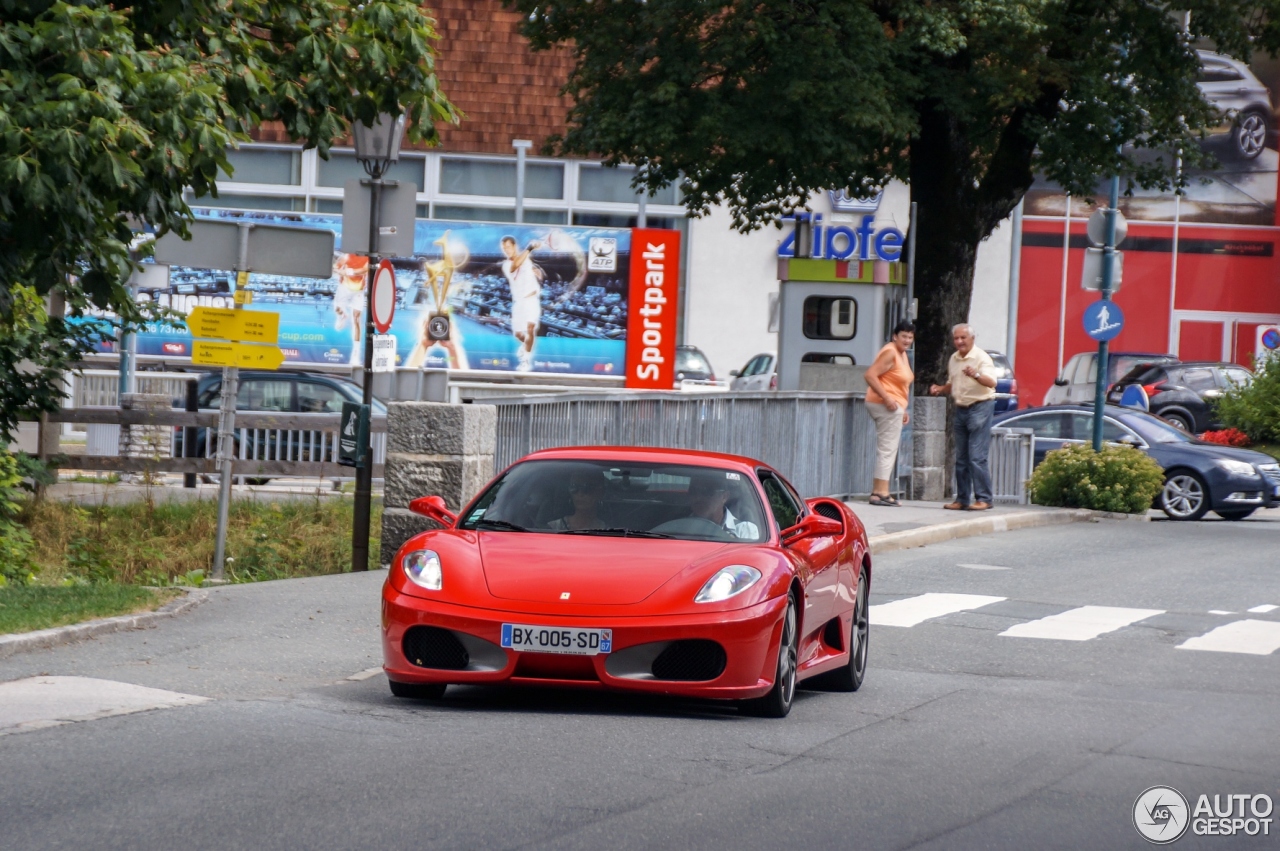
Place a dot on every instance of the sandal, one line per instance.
(877, 499)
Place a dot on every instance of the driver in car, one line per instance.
(585, 490)
(708, 499)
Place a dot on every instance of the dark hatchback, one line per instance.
(276, 392)
(1199, 477)
(1183, 393)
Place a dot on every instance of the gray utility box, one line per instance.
(829, 331)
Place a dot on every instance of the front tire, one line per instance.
(1234, 514)
(1184, 496)
(1179, 421)
(1249, 135)
(777, 703)
(418, 691)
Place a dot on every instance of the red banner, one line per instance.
(652, 304)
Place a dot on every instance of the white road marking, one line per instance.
(39, 702)
(1220, 612)
(915, 610)
(1262, 610)
(1259, 638)
(982, 566)
(366, 674)
(1081, 624)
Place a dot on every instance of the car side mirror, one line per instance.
(1128, 440)
(434, 508)
(733, 373)
(1060, 382)
(811, 526)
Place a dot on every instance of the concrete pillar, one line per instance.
(929, 475)
(145, 441)
(436, 449)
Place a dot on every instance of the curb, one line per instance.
(971, 527)
(23, 642)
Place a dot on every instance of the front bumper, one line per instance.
(1231, 490)
(749, 638)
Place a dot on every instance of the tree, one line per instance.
(759, 103)
(109, 112)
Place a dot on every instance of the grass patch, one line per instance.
(24, 608)
(142, 543)
(1272, 449)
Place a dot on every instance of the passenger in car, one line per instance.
(709, 498)
(585, 489)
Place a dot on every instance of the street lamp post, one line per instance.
(1108, 283)
(377, 149)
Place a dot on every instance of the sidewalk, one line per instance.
(917, 524)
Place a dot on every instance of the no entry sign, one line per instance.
(384, 296)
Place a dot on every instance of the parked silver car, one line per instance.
(1245, 102)
(760, 373)
(1078, 382)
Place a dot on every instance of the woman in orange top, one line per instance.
(888, 389)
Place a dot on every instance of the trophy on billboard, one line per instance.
(558, 240)
(438, 329)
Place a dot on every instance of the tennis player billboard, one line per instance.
(518, 298)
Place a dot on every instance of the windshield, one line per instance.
(1124, 364)
(1152, 429)
(621, 498)
(691, 360)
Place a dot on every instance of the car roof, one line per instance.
(646, 454)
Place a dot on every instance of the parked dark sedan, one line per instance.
(1183, 393)
(1006, 384)
(1199, 476)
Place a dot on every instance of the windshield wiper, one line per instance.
(500, 524)
(625, 533)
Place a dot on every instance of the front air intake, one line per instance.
(690, 660)
(433, 647)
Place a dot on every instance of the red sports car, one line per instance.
(653, 570)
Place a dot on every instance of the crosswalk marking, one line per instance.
(982, 566)
(915, 610)
(39, 702)
(1255, 637)
(1081, 624)
(1262, 610)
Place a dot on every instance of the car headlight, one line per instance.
(1239, 468)
(423, 569)
(727, 582)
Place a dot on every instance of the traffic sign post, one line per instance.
(242, 246)
(1103, 319)
(382, 300)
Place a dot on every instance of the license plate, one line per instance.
(557, 639)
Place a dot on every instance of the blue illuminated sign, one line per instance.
(842, 242)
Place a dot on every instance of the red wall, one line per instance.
(1230, 270)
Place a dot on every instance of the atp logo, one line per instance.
(604, 254)
(1160, 814)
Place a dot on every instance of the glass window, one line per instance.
(1213, 72)
(753, 367)
(478, 177)
(691, 360)
(620, 499)
(613, 186)
(1236, 376)
(264, 165)
(319, 398)
(340, 168)
(544, 181)
(1047, 425)
(786, 511)
(1086, 371)
(1082, 428)
(830, 318)
(618, 220)
(828, 357)
(1199, 379)
(474, 214)
(327, 205)
(546, 217)
(250, 202)
(265, 394)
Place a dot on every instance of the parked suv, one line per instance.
(1245, 102)
(692, 365)
(1183, 393)
(1076, 384)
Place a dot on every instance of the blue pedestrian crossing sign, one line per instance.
(1103, 320)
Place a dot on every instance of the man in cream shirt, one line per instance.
(971, 381)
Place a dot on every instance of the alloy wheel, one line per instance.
(1251, 135)
(861, 630)
(1183, 497)
(788, 657)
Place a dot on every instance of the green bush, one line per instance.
(16, 547)
(1119, 478)
(1255, 408)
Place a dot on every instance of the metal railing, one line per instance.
(1012, 457)
(100, 388)
(824, 443)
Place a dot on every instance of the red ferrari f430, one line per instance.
(645, 570)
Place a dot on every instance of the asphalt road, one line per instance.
(961, 737)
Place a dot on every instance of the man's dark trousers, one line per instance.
(971, 428)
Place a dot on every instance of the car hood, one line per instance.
(592, 570)
(1213, 450)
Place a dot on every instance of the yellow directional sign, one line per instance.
(245, 326)
(236, 354)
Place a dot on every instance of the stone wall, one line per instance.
(931, 476)
(145, 441)
(433, 449)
